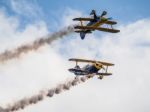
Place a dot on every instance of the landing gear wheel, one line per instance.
(100, 77)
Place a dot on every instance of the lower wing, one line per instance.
(87, 31)
(97, 28)
(104, 74)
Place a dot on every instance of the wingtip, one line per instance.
(74, 19)
(118, 31)
(113, 64)
(70, 59)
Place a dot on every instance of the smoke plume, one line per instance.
(42, 94)
(15, 53)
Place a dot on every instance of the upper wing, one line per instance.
(111, 22)
(90, 19)
(82, 19)
(91, 61)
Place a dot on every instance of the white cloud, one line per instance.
(127, 90)
(27, 8)
(68, 15)
(29, 74)
(11, 37)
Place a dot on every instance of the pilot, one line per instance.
(93, 12)
(77, 67)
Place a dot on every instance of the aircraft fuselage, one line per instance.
(95, 23)
(86, 70)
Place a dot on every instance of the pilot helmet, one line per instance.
(92, 12)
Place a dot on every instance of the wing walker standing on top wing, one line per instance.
(95, 23)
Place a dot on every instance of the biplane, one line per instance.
(95, 23)
(91, 69)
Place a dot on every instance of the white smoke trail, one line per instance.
(15, 53)
(41, 95)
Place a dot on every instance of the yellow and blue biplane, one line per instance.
(91, 69)
(94, 24)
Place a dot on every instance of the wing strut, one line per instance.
(76, 63)
(106, 68)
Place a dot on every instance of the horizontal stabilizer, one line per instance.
(77, 71)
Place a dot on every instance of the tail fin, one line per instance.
(82, 35)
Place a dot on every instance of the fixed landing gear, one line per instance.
(100, 77)
(90, 76)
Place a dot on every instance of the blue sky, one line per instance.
(127, 90)
(124, 11)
